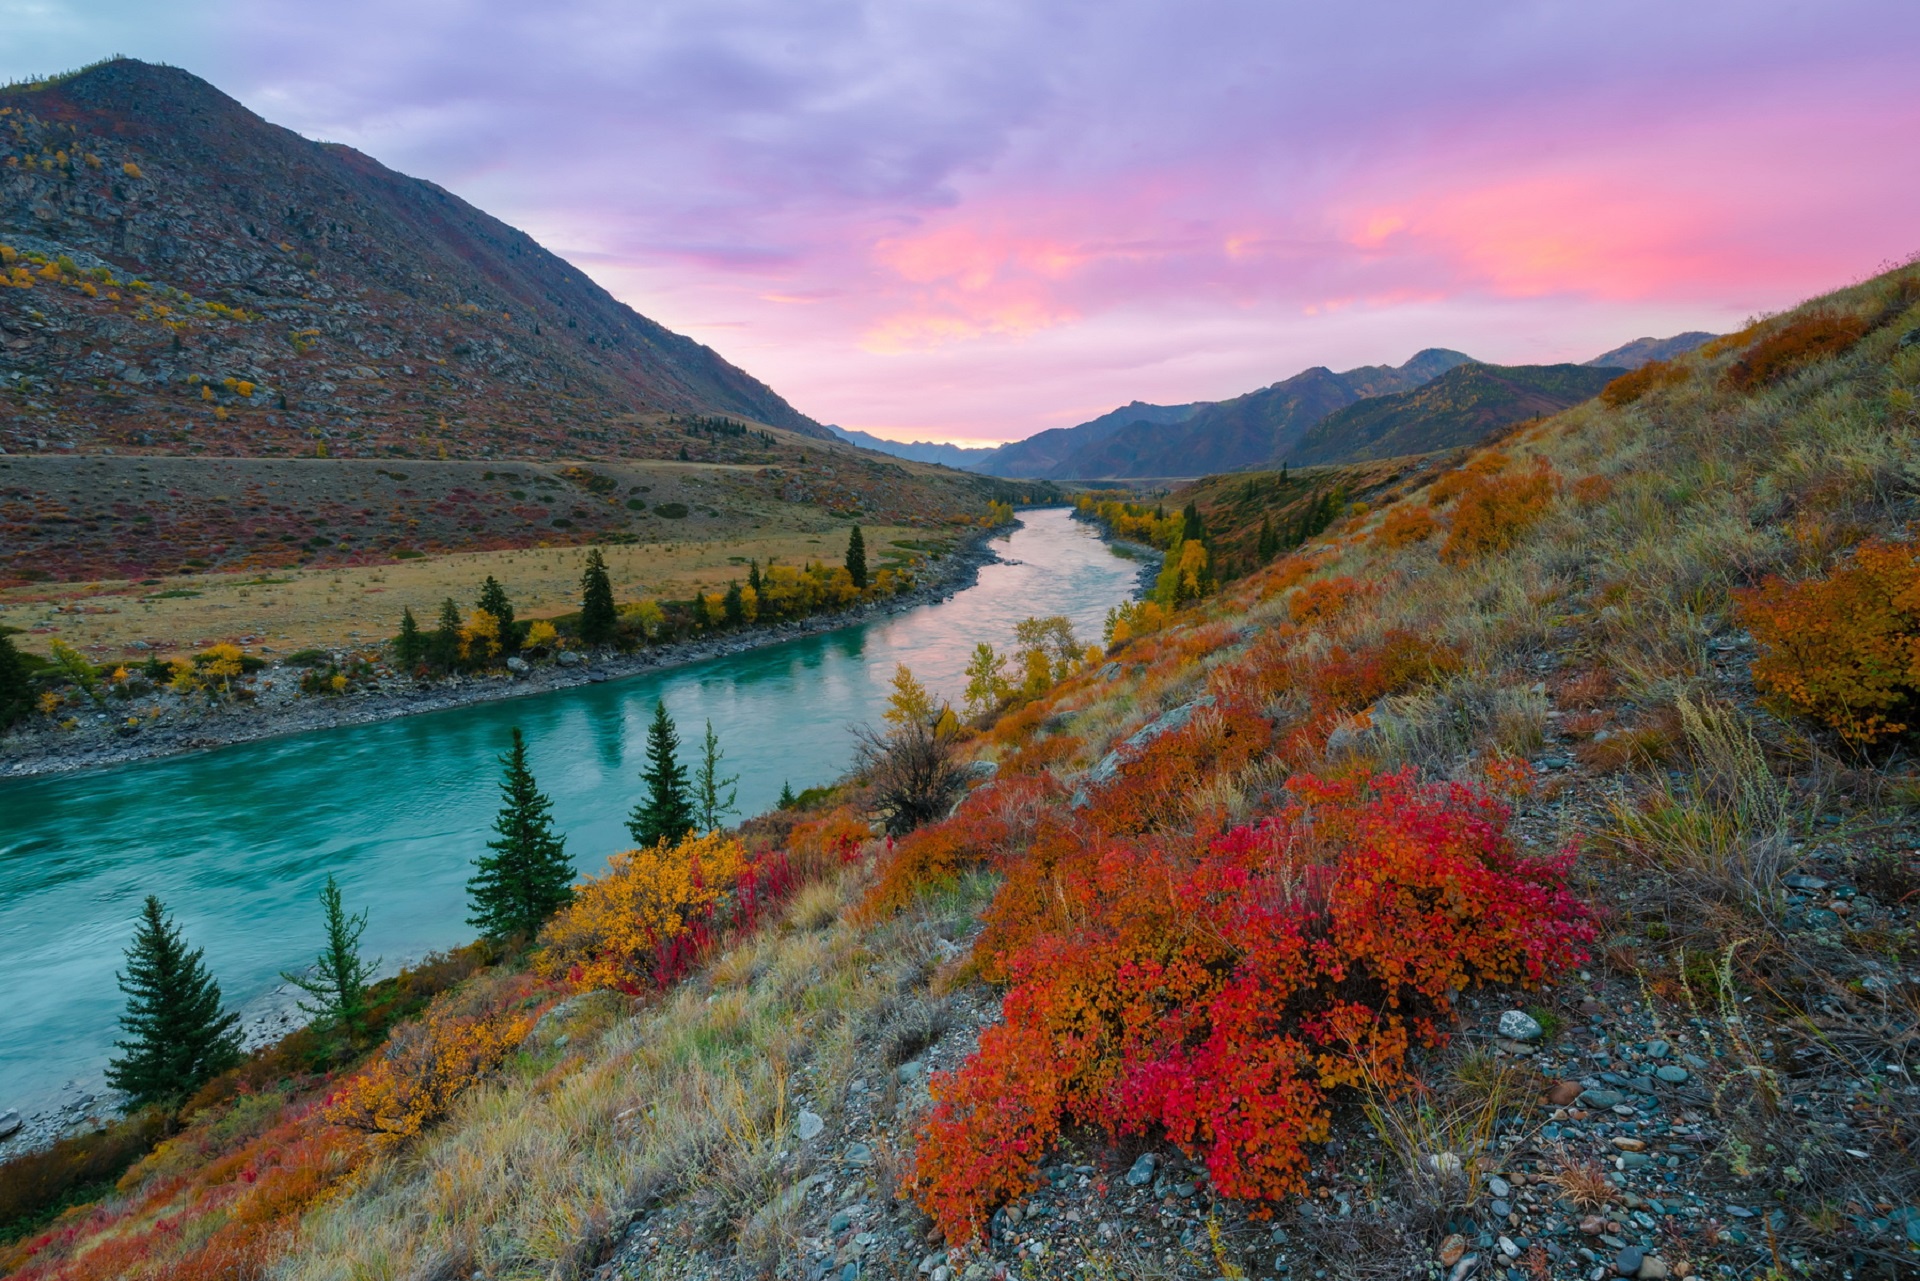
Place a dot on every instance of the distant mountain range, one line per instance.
(1438, 399)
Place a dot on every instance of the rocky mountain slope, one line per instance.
(188, 277)
(920, 451)
(1642, 351)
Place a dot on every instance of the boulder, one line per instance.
(1518, 1025)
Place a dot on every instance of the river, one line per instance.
(237, 841)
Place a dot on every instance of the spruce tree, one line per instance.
(493, 599)
(857, 558)
(753, 576)
(713, 795)
(599, 620)
(338, 979)
(528, 876)
(16, 686)
(410, 646)
(1269, 544)
(177, 1034)
(444, 647)
(736, 605)
(787, 799)
(667, 812)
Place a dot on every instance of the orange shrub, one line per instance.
(1223, 990)
(1404, 525)
(1844, 649)
(1326, 599)
(1156, 787)
(425, 1066)
(1794, 345)
(1494, 512)
(1474, 470)
(992, 826)
(1590, 491)
(829, 841)
(1635, 383)
(1349, 679)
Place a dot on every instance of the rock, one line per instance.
(1500, 1209)
(1451, 1250)
(859, 1154)
(1630, 1145)
(1508, 1248)
(518, 665)
(568, 658)
(840, 1222)
(10, 1123)
(1499, 1187)
(1657, 1049)
(1561, 1093)
(1800, 882)
(1518, 1025)
(1463, 1269)
(810, 1125)
(1628, 1261)
(1142, 1172)
(1653, 1269)
(1593, 1225)
(1671, 1074)
(1601, 1098)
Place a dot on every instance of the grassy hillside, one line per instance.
(1460, 407)
(1523, 866)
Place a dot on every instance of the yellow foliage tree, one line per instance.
(609, 935)
(541, 633)
(480, 638)
(910, 703)
(222, 663)
(425, 1066)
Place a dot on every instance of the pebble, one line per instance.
(1671, 1074)
(1141, 1173)
(1601, 1098)
(1499, 1187)
(1518, 1025)
(1451, 1250)
(840, 1221)
(810, 1125)
(859, 1154)
(1628, 1261)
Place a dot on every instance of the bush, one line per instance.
(1225, 991)
(1404, 525)
(36, 1186)
(1492, 513)
(1844, 649)
(424, 1067)
(1795, 345)
(1635, 383)
(671, 511)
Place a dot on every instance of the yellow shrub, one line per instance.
(611, 934)
(425, 1066)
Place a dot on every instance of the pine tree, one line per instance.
(735, 604)
(177, 1034)
(528, 876)
(493, 599)
(338, 980)
(857, 558)
(410, 646)
(667, 812)
(753, 577)
(713, 795)
(599, 620)
(787, 799)
(444, 646)
(1269, 544)
(16, 687)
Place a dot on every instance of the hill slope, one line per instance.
(1643, 351)
(1045, 453)
(361, 307)
(1461, 407)
(920, 451)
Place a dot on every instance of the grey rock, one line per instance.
(810, 1125)
(1800, 882)
(518, 665)
(1657, 1049)
(840, 1221)
(568, 658)
(1142, 1172)
(10, 1123)
(1600, 1098)
(1671, 1074)
(1628, 1261)
(1499, 1187)
(1518, 1025)
(859, 1154)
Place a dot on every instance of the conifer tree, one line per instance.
(753, 576)
(787, 799)
(177, 1034)
(666, 814)
(444, 647)
(493, 599)
(857, 558)
(1269, 543)
(410, 646)
(735, 604)
(16, 688)
(599, 620)
(338, 979)
(528, 876)
(713, 795)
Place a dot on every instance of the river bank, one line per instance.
(277, 707)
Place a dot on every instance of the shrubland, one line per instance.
(1583, 721)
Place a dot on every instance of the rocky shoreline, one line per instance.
(278, 710)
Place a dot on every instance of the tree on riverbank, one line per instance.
(16, 688)
(667, 812)
(713, 795)
(599, 618)
(444, 647)
(857, 558)
(493, 599)
(338, 979)
(528, 876)
(177, 1034)
(410, 646)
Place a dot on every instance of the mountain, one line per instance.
(1460, 407)
(1643, 351)
(919, 451)
(1141, 441)
(1044, 453)
(202, 280)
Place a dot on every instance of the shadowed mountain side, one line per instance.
(919, 451)
(191, 243)
(1461, 407)
(1644, 351)
(1044, 453)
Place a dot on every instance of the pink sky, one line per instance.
(971, 221)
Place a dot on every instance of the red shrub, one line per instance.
(1793, 346)
(1223, 990)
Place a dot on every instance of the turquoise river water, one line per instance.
(237, 841)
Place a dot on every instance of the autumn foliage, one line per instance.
(1844, 649)
(657, 911)
(1224, 990)
(1492, 513)
(1793, 346)
(1404, 525)
(424, 1067)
